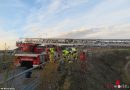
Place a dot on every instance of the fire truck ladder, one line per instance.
(82, 42)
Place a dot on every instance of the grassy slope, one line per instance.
(102, 68)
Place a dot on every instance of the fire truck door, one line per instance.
(42, 58)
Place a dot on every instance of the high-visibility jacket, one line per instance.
(65, 52)
(66, 55)
(51, 55)
(74, 49)
(51, 58)
(75, 55)
(52, 50)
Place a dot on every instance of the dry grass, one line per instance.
(7, 63)
(104, 67)
(125, 75)
(49, 77)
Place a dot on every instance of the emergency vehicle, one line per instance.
(33, 53)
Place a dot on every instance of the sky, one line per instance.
(96, 19)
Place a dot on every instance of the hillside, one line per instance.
(103, 68)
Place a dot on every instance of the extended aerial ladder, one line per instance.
(80, 42)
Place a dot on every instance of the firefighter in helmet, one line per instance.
(74, 54)
(65, 54)
(51, 55)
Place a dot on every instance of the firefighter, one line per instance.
(47, 50)
(74, 49)
(74, 54)
(82, 56)
(83, 61)
(55, 55)
(71, 60)
(61, 64)
(63, 60)
(65, 54)
(47, 54)
(51, 55)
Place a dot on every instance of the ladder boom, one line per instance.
(89, 42)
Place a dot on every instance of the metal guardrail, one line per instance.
(32, 85)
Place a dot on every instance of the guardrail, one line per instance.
(10, 82)
(32, 86)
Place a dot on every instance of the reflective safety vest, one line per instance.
(65, 52)
(74, 55)
(52, 50)
(74, 49)
(51, 57)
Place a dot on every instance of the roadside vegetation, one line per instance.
(103, 67)
(6, 64)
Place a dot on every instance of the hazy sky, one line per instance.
(63, 18)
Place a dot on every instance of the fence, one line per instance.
(18, 81)
(32, 86)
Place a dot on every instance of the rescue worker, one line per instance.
(73, 49)
(47, 58)
(55, 55)
(65, 54)
(51, 55)
(47, 50)
(62, 60)
(83, 61)
(70, 60)
(74, 54)
(61, 64)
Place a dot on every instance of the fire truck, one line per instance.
(33, 52)
(30, 54)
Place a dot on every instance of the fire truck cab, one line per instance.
(29, 54)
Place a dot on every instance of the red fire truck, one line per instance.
(30, 53)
